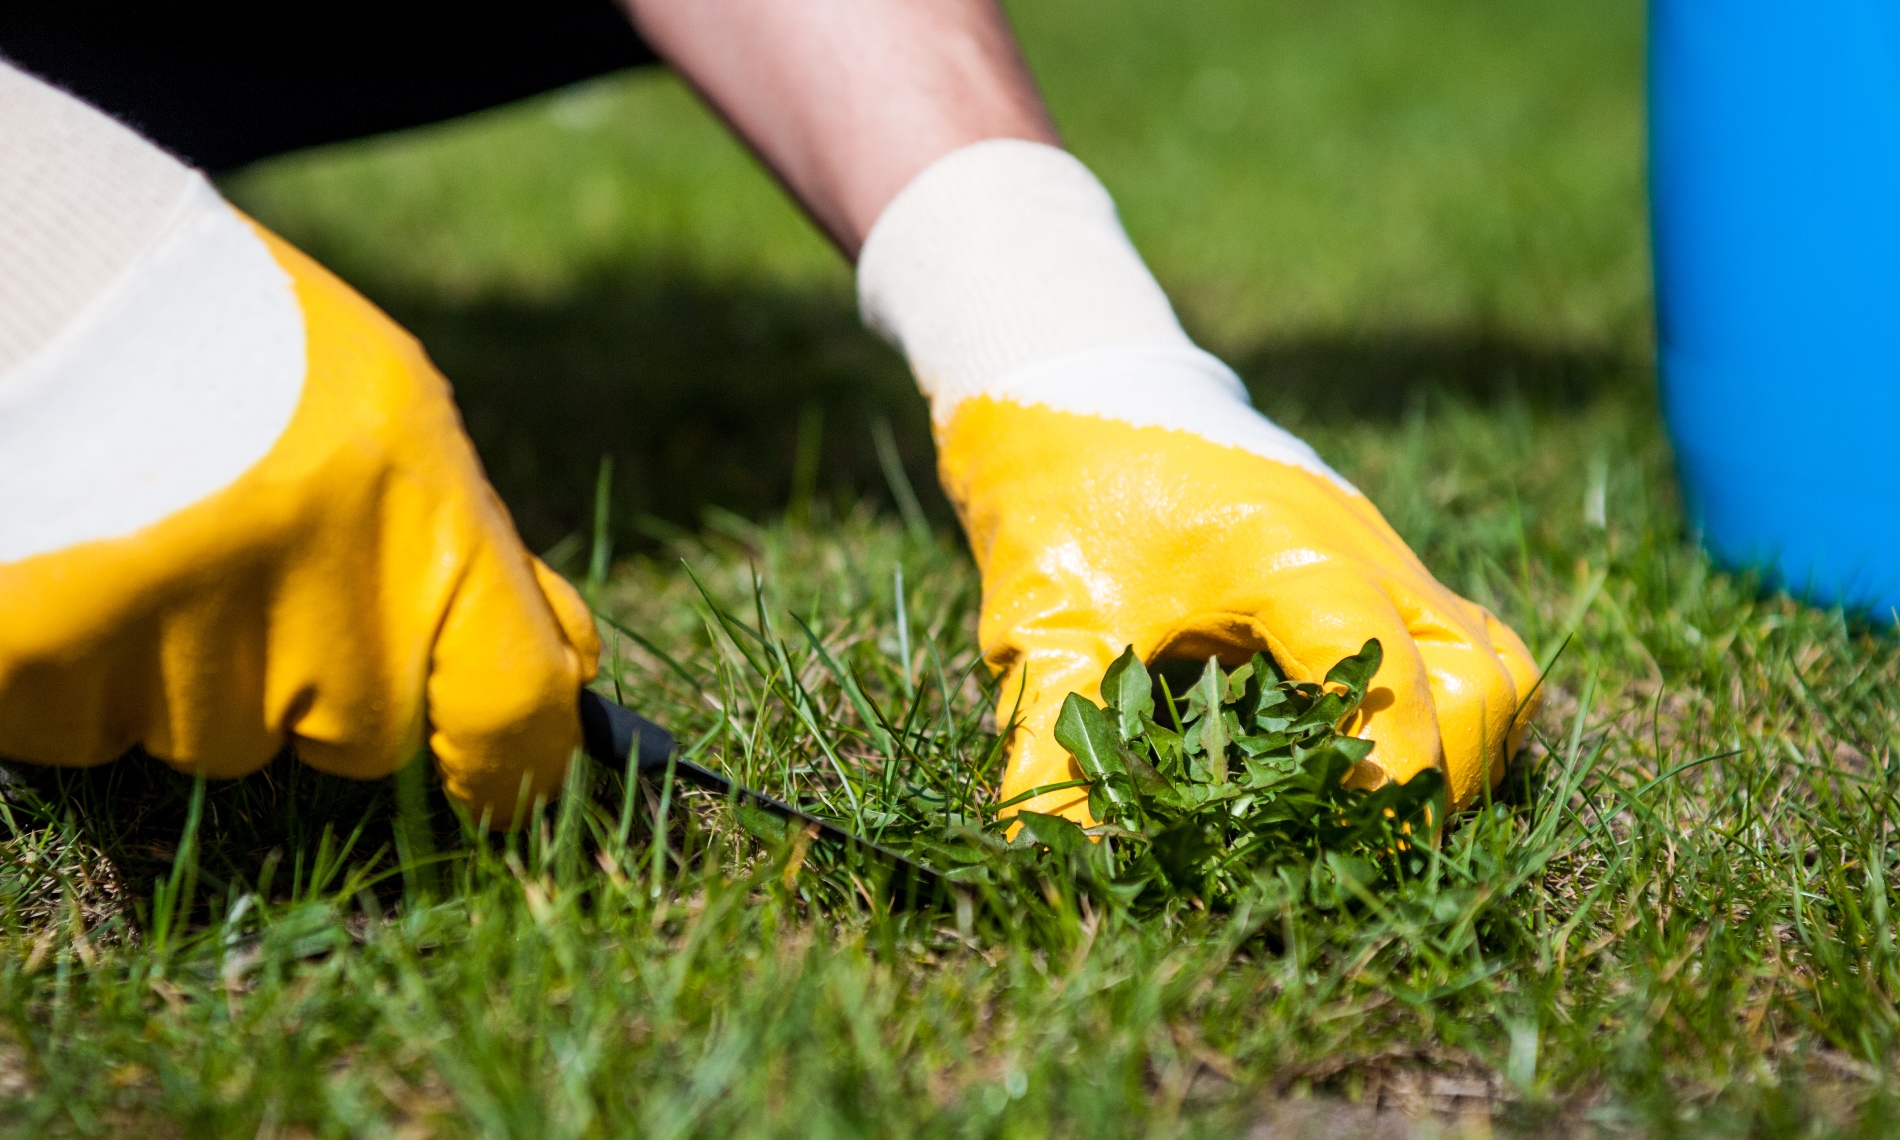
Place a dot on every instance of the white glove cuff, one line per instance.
(1002, 270)
(151, 349)
(80, 198)
(1001, 254)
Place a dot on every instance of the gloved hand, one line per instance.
(1093, 533)
(1117, 488)
(242, 511)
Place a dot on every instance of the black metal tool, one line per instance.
(612, 733)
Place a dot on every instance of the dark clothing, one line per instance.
(223, 82)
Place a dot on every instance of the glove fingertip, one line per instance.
(1524, 673)
(518, 756)
(504, 683)
(572, 614)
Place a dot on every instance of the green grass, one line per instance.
(1416, 228)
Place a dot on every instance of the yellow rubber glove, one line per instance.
(1093, 534)
(350, 585)
(1118, 489)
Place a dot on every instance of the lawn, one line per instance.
(1416, 228)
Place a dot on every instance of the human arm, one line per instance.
(849, 100)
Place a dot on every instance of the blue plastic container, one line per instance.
(1775, 206)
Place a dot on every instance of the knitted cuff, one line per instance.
(1000, 255)
(81, 197)
(1002, 271)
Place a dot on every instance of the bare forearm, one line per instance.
(847, 100)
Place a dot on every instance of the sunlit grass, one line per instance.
(1416, 229)
(1675, 916)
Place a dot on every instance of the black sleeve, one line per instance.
(223, 82)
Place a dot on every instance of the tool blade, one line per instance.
(612, 733)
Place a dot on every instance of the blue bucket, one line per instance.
(1775, 207)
